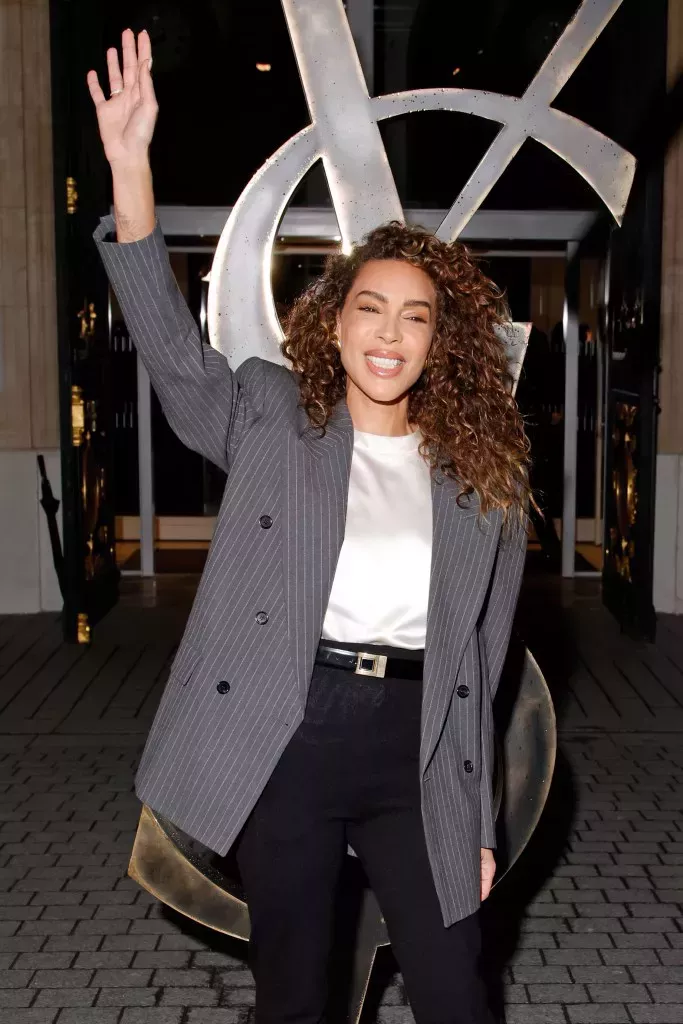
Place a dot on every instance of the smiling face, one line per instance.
(386, 327)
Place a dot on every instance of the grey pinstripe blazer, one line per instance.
(257, 617)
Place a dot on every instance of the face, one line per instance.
(386, 327)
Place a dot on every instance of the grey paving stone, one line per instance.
(528, 957)
(570, 957)
(125, 941)
(395, 1015)
(599, 1013)
(661, 1014)
(648, 924)
(603, 910)
(104, 959)
(15, 979)
(120, 912)
(126, 978)
(189, 997)
(211, 958)
(547, 975)
(239, 997)
(88, 1015)
(556, 925)
(671, 957)
(104, 896)
(511, 994)
(30, 1016)
(608, 925)
(37, 961)
(19, 913)
(154, 926)
(570, 993)
(156, 1015)
(75, 943)
(99, 927)
(611, 975)
(127, 997)
(56, 899)
(545, 1014)
(656, 975)
(60, 979)
(16, 997)
(173, 976)
(165, 958)
(587, 940)
(652, 940)
(236, 979)
(65, 997)
(15, 898)
(629, 957)
(536, 940)
(205, 1016)
(619, 993)
(46, 928)
(20, 943)
(662, 993)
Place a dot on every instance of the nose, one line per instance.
(390, 330)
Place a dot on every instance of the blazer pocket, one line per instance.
(185, 666)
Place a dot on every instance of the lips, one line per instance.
(384, 364)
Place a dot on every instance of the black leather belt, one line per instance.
(364, 663)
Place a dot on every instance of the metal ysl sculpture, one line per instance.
(242, 322)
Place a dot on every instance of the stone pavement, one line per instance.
(588, 927)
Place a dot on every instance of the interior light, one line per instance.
(263, 67)
(456, 71)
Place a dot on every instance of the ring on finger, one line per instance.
(115, 92)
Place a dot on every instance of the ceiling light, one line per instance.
(263, 67)
(456, 71)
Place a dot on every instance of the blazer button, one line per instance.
(468, 766)
(266, 522)
(223, 686)
(261, 618)
(463, 691)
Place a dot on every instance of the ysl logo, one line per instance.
(344, 133)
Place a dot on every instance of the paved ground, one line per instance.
(587, 928)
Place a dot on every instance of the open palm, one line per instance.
(126, 120)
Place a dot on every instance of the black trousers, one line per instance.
(350, 775)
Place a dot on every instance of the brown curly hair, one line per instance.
(472, 428)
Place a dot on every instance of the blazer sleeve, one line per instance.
(207, 404)
(494, 634)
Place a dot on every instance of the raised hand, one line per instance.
(126, 120)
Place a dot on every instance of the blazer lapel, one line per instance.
(463, 550)
(316, 496)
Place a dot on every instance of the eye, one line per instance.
(419, 319)
(368, 309)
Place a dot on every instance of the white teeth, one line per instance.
(387, 364)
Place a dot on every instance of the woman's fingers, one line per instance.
(95, 88)
(115, 79)
(144, 46)
(130, 58)
(147, 94)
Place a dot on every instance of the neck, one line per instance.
(387, 418)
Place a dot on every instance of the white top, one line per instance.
(381, 586)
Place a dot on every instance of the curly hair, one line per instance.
(471, 426)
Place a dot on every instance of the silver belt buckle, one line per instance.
(377, 668)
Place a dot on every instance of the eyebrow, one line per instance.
(383, 298)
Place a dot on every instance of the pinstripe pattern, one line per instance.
(209, 755)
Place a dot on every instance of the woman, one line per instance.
(335, 679)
